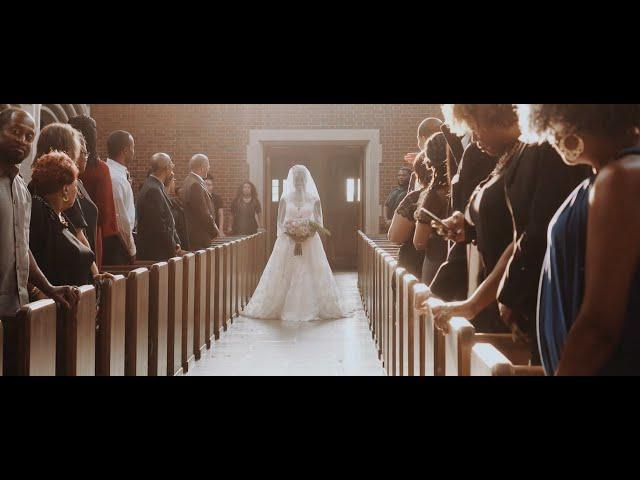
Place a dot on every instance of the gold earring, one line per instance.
(571, 154)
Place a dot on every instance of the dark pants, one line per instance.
(114, 252)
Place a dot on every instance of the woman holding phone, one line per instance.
(507, 218)
(435, 200)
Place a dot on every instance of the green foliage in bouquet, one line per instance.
(320, 229)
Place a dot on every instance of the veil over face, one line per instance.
(299, 189)
(300, 183)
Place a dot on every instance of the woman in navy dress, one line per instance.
(589, 298)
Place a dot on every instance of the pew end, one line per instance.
(110, 337)
(488, 361)
(76, 336)
(30, 340)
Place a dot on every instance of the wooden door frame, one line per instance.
(370, 139)
(267, 168)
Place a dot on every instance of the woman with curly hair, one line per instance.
(507, 217)
(589, 302)
(62, 257)
(83, 213)
(435, 198)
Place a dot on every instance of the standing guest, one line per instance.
(157, 235)
(435, 199)
(451, 281)
(96, 179)
(61, 255)
(397, 194)
(83, 214)
(246, 210)
(427, 128)
(218, 204)
(177, 210)
(18, 268)
(589, 303)
(198, 205)
(403, 224)
(507, 216)
(121, 248)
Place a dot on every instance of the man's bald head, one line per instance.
(161, 167)
(160, 162)
(199, 164)
(428, 128)
(17, 132)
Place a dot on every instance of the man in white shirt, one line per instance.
(121, 249)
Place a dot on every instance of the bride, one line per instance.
(297, 288)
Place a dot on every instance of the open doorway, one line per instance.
(338, 173)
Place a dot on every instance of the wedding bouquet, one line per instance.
(302, 229)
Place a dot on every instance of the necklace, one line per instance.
(506, 158)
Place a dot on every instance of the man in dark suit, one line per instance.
(198, 205)
(157, 237)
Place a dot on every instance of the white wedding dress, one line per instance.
(297, 288)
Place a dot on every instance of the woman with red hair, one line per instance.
(62, 257)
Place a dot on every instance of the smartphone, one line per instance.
(434, 218)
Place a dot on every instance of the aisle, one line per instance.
(327, 348)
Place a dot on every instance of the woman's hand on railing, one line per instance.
(102, 277)
(446, 311)
(420, 301)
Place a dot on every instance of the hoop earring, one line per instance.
(571, 154)
(65, 198)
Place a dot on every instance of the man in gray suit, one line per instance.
(198, 205)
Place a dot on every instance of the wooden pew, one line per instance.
(211, 334)
(461, 338)
(76, 336)
(158, 318)
(488, 361)
(421, 349)
(223, 283)
(30, 341)
(110, 336)
(407, 326)
(188, 311)
(235, 268)
(200, 303)
(137, 324)
(434, 358)
(397, 364)
(174, 317)
(389, 313)
(242, 273)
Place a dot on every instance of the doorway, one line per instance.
(338, 173)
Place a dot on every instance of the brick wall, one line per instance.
(222, 133)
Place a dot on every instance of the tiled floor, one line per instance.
(273, 348)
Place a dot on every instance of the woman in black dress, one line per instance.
(62, 257)
(83, 213)
(507, 217)
(435, 199)
(246, 210)
(403, 224)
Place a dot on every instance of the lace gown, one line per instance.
(296, 288)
